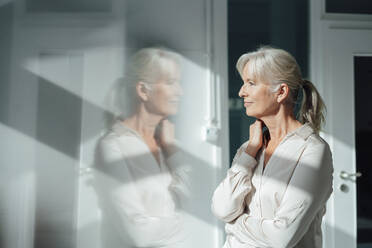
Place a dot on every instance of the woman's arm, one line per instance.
(228, 200)
(307, 193)
(175, 158)
(123, 205)
(180, 169)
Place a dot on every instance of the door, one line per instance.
(341, 54)
(347, 116)
(363, 128)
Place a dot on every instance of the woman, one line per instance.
(275, 192)
(140, 175)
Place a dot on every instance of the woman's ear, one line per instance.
(282, 93)
(142, 91)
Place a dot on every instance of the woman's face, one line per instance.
(165, 93)
(259, 101)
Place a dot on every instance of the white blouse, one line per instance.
(283, 204)
(138, 196)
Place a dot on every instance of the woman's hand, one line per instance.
(255, 138)
(165, 137)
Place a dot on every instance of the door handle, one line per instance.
(350, 176)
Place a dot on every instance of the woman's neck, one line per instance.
(280, 125)
(143, 123)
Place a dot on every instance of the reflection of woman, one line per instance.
(274, 194)
(139, 179)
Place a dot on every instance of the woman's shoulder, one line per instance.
(315, 141)
(115, 143)
(113, 139)
(119, 133)
(108, 147)
(311, 137)
(318, 150)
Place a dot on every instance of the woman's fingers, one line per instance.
(255, 138)
(166, 132)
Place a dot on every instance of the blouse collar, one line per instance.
(303, 131)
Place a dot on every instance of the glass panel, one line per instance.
(363, 128)
(59, 125)
(6, 23)
(349, 7)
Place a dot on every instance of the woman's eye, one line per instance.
(250, 83)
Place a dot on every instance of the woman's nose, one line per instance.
(242, 91)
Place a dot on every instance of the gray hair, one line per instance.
(276, 66)
(147, 65)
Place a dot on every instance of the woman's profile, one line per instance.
(140, 176)
(275, 193)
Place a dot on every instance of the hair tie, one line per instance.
(305, 82)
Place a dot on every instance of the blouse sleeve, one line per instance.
(306, 195)
(122, 203)
(228, 201)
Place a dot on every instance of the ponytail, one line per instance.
(312, 106)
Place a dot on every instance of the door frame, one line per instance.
(322, 27)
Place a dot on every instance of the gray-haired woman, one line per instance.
(140, 172)
(275, 193)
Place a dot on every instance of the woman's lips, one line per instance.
(246, 104)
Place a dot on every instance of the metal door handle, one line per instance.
(350, 176)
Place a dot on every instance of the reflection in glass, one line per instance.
(140, 179)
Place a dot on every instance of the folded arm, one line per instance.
(306, 195)
(123, 205)
(228, 200)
